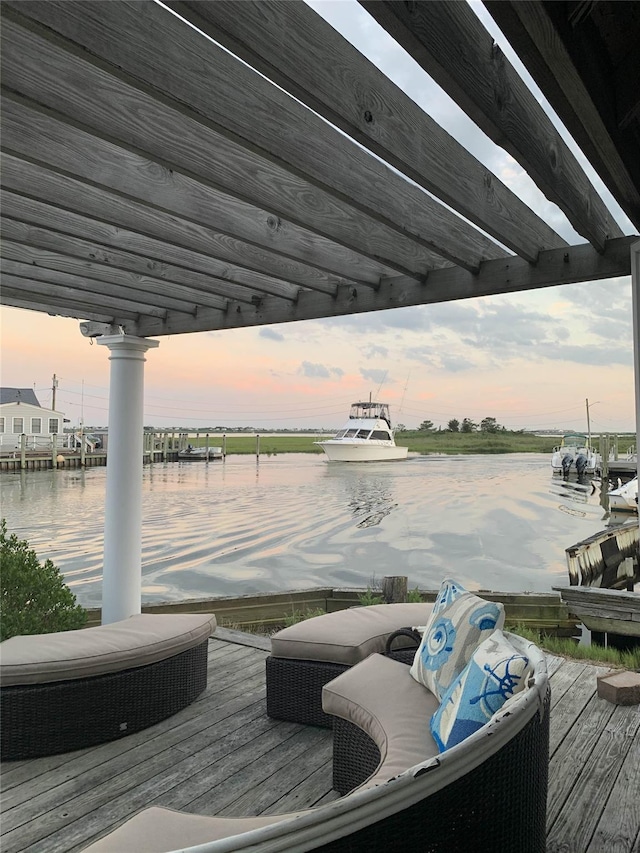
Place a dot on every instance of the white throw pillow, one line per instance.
(459, 622)
(495, 673)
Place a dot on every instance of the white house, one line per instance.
(21, 413)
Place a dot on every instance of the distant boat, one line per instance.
(199, 454)
(574, 453)
(625, 497)
(366, 437)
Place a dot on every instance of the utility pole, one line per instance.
(588, 424)
(53, 392)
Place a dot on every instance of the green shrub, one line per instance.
(370, 597)
(34, 598)
(414, 596)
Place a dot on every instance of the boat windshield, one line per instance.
(575, 438)
(380, 435)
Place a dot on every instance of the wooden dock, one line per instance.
(223, 755)
(265, 612)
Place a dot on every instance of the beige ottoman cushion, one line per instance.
(347, 636)
(380, 697)
(140, 640)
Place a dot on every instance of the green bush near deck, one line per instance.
(34, 598)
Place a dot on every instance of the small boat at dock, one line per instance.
(574, 453)
(625, 497)
(366, 437)
(199, 454)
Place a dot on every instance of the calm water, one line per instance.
(295, 521)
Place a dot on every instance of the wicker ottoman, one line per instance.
(65, 691)
(306, 656)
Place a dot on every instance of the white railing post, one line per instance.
(121, 580)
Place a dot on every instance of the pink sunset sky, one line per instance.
(529, 360)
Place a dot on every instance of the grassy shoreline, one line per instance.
(417, 442)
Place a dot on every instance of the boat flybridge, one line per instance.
(366, 437)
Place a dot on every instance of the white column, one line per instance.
(635, 302)
(122, 570)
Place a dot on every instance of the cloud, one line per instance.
(455, 363)
(375, 350)
(270, 333)
(375, 376)
(319, 371)
(597, 356)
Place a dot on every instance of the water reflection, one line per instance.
(369, 495)
(575, 491)
(296, 521)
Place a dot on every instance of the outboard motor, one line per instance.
(567, 461)
(581, 464)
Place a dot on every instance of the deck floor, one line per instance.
(223, 755)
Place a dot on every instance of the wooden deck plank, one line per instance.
(573, 829)
(283, 773)
(89, 792)
(619, 827)
(223, 755)
(248, 772)
(573, 752)
(564, 679)
(571, 704)
(317, 788)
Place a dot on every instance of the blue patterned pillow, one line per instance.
(495, 673)
(459, 622)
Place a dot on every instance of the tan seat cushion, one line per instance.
(347, 636)
(140, 640)
(158, 830)
(380, 697)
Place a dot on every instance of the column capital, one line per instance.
(128, 344)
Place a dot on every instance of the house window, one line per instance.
(53, 425)
(1, 425)
(36, 426)
(18, 426)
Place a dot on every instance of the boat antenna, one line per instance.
(404, 392)
(381, 384)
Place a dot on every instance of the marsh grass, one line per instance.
(566, 647)
(417, 442)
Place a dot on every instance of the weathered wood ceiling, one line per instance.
(153, 181)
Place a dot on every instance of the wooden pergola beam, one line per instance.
(448, 40)
(289, 43)
(508, 275)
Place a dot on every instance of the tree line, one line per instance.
(466, 425)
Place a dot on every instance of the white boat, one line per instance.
(199, 454)
(574, 453)
(625, 497)
(366, 437)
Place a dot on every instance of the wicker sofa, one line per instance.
(486, 793)
(73, 689)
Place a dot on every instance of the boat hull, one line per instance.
(625, 498)
(342, 451)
